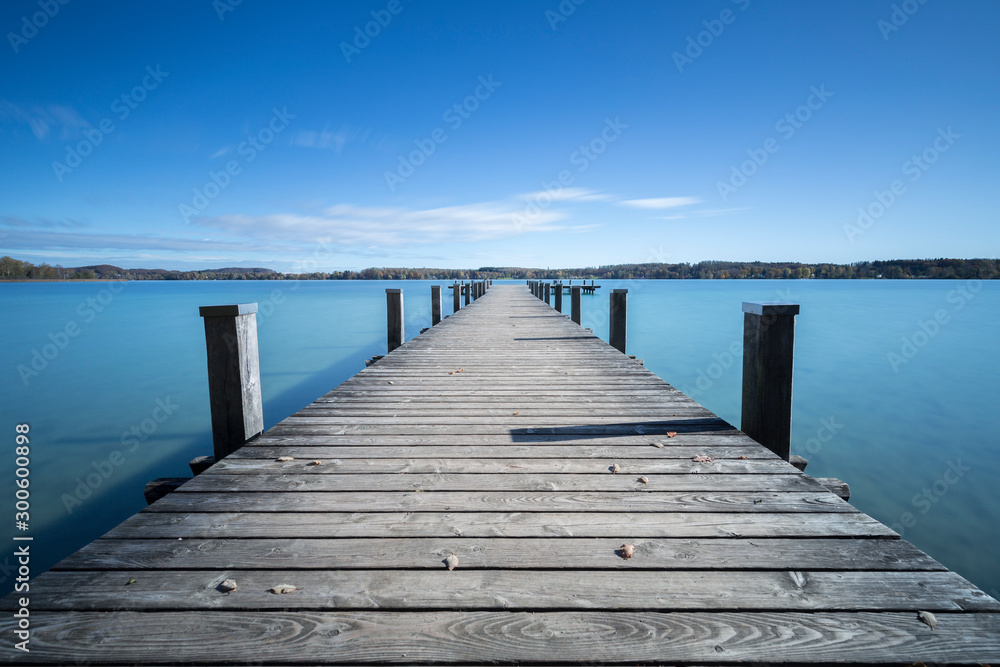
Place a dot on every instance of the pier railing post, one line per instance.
(394, 318)
(467, 292)
(575, 304)
(616, 333)
(233, 375)
(435, 304)
(768, 345)
(559, 291)
(456, 296)
(548, 292)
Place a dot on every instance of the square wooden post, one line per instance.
(456, 295)
(233, 375)
(575, 303)
(616, 333)
(394, 318)
(435, 304)
(548, 293)
(559, 291)
(768, 347)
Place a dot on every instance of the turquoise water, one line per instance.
(895, 388)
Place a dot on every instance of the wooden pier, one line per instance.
(592, 513)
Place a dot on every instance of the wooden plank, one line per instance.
(670, 455)
(500, 501)
(287, 480)
(330, 426)
(501, 553)
(440, 588)
(236, 524)
(706, 436)
(332, 464)
(496, 636)
(405, 413)
(611, 423)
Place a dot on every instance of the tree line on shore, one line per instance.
(982, 269)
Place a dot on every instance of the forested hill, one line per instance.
(983, 269)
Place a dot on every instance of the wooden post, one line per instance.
(467, 292)
(394, 318)
(575, 304)
(616, 334)
(435, 304)
(233, 375)
(559, 291)
(548, 292)
(456, 296)
(768, 345)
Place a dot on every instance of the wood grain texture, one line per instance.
(289, 479)
(499, 501)
(475, 590)
(288, 637)
(502, 553)
(236, 524)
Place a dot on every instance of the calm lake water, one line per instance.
(895, 391)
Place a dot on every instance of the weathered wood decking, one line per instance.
(492, 436)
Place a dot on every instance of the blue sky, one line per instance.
(201, 134)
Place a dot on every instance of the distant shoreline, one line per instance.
(14, 270)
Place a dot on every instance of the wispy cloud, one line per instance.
(52, 120)
(351, 225)
(62, 240)
(327, 139)
(40, 223)
(660, 202)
